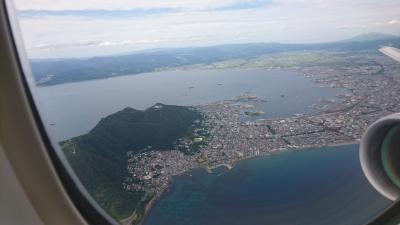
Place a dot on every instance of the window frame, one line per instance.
(17, 79)
(22, 86)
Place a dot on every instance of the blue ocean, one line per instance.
(303, 187)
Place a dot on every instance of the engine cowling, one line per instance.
(380, 156)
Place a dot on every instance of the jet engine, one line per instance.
(380, 156)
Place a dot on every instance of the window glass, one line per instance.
(216, 112)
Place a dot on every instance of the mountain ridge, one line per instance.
(74, 70)
(371, 36)
(99, 158)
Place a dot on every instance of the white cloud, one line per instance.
(121, 4)
(294, 21)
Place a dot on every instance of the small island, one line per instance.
(253, 113)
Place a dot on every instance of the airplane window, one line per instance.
(217, 112)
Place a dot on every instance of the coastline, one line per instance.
(230, 165)
(150, 206)
(274, 152)
(152, 203)
(154, 216)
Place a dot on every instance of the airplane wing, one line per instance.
(393, 53)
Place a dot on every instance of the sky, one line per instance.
(86, 28)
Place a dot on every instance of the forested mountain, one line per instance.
(99, 158)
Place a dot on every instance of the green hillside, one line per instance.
(99, 157)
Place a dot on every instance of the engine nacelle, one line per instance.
(380, 156)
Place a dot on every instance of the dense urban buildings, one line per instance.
(228, 133)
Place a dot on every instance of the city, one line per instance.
(225, 136)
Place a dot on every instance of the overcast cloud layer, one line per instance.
(78, 28)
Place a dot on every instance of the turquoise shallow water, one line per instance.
(308, 187)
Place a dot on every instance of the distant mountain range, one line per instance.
(99, 158)
(373, 36)
(51, 72)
